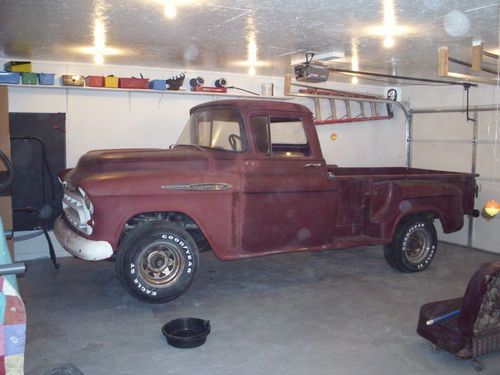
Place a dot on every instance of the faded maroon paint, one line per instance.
(275, 204)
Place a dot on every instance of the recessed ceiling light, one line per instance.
(388, 41)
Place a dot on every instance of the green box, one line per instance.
(30, 78)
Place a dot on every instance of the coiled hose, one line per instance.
(6, 184)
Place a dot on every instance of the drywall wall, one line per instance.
(445, 141)
(97, 119)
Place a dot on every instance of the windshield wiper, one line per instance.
(187, 145)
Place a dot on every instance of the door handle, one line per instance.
(312, 165)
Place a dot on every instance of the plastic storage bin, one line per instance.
(10, 78)
(46, 78)
(158, 84)
(71, 80)
(94, 81)
(29, 78)
(111, 81)
(134, 83)
(18, 66)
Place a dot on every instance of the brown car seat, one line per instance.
(476, 329)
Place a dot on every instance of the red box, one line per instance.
(133, 83)
(94, 81)
(209, 89)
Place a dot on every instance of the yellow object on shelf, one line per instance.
(18, 66)
(111, 81)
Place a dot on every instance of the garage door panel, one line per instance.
(450, 126)
(488, 161)
(489, 126)
(443, 156)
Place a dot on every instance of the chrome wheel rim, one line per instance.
(417, 246)
(161, 264)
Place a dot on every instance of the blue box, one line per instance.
(46, 78)
(11, 78)
(158, 84)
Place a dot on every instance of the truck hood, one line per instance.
(107, 162)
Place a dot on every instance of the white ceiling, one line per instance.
(214, 34)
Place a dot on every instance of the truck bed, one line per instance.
(359, 186)
(393, 173)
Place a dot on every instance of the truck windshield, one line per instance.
(219, 129)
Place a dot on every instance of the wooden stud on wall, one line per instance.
(443, 62)
(477, 57)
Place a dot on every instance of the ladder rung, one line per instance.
(317, 109)
(351, 119)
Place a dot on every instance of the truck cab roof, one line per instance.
(249, 105)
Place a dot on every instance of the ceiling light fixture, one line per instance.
(99, 41)
(354, 60)
(170, 9)
(252, 61)
(389, 30)
(170, 6)
(388, 41)
(251, 46)
(389, 23)
(99, 50)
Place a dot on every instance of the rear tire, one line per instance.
(157, 261)
(413, 247)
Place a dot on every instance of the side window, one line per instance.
(279, 136)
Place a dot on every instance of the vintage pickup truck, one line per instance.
(247, 178)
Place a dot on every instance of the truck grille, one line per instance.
(76, 212)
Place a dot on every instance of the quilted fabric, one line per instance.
(489, 312)
(12, 319)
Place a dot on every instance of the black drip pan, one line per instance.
(186, 332)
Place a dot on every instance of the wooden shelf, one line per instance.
(147, 91)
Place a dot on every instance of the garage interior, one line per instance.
(423, 86)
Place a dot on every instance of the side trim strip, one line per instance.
(199, 187)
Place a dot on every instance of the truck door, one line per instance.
(288, 199)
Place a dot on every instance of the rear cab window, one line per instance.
(279, 136)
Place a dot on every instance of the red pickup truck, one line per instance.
(247, 178)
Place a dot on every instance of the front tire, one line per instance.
(157, 261)
(413, 247)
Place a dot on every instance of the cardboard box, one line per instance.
(71, 80)
(10, 78)
(18, 66)
(94, 81)
(46, 78)
(134, 83)
(111, 81)
(29, 78)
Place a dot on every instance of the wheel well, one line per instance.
(177, 218)
(429, 215)
(424, 215)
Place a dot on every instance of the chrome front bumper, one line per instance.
(81, 247)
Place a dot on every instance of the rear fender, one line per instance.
(430, 200)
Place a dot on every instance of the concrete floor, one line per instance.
(336, 312)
